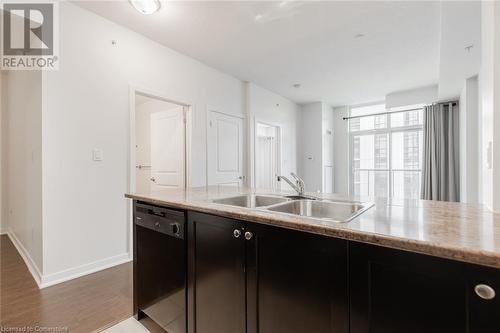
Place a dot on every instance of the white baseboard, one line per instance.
(30, 263)
(79, 271)
(4, 232)
(44, 281)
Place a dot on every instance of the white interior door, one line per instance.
(225, 149)
(266, 156)
(143, 152)
(328, 178)
(168, 149)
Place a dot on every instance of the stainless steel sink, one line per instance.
(335, 211)
(328, 210)
(251, 200)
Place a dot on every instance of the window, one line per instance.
(386, 151)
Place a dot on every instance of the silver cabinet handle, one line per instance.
(484, 291)
(236, 233)
(248, 235)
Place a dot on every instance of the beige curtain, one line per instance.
(440, 165)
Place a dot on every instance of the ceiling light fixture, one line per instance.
(146, 6)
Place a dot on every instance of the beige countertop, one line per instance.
(450, 230)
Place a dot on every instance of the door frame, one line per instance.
(278, 145)
(131, 176)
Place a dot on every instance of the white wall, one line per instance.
(267, 107)
(460, 27)
(489, 101)
(22, 174)
(86, 106)
(310, 146)
(469, 141)
(423, 95)
(341, 149)
(496, 109)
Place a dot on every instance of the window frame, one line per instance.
(389, 130)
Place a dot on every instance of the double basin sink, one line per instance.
(327, 210)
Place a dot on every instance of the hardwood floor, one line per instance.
(86, 304)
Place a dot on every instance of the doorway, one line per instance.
(160, 144)
(267, 155)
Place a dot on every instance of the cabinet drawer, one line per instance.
(160, 219)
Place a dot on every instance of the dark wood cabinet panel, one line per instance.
(296, 282)
(274, 280)
(483, 315)
(216, 275)
(397, 291)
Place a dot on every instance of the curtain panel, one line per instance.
(440, 163)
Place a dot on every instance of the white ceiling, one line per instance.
(311, 43)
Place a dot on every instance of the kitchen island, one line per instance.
(413, 266)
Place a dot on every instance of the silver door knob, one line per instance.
(484, 291)
(236, 233)
(248, 235)
(152, 179)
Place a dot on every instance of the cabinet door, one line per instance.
(216, 275)
(484, 314)
(397, 291)
(297, 282)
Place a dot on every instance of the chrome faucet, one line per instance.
(299, 185)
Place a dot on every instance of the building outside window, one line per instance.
(386, 151)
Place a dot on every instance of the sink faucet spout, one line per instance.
(298, 186)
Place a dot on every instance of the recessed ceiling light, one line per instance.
(146, 6)
(258, 17)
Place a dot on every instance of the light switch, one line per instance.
(97, 155)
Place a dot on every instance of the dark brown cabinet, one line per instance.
(245, 277)
(398, 291)
(296, 282)
(216, 275)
